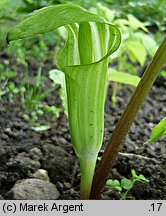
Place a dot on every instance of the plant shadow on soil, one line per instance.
(24, 151)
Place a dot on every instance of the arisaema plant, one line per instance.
(84, 60)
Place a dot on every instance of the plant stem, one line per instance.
(126, 120)
(87, 167)
(125, 195)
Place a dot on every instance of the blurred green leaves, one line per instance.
(158, 132)
(123, 78)
(58, 77)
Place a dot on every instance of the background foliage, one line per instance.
(142, 24)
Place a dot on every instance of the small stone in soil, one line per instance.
(35, 153)
(24, 162)
(41, 174)
(67, 185)
(57, 162)
(33, 189)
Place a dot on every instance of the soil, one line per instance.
(24, 151)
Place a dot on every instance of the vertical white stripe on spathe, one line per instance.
(107, 38)
(73, 58)
(96, 52)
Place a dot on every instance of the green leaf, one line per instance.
(142, 178)
(59, 79)
(158, 131)
(134, 174)
(137, 50)
(115, 184)
(135, 23)
(41, 128)
(110, 182)
(163, 74)
(148, 42)
(119, 188)
(123, 78)
(126, 184)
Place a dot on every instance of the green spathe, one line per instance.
(84, 60)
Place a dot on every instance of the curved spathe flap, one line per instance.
(88, 43)
(50, 18)
(87, 33)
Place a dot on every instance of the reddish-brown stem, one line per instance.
(126, 120)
